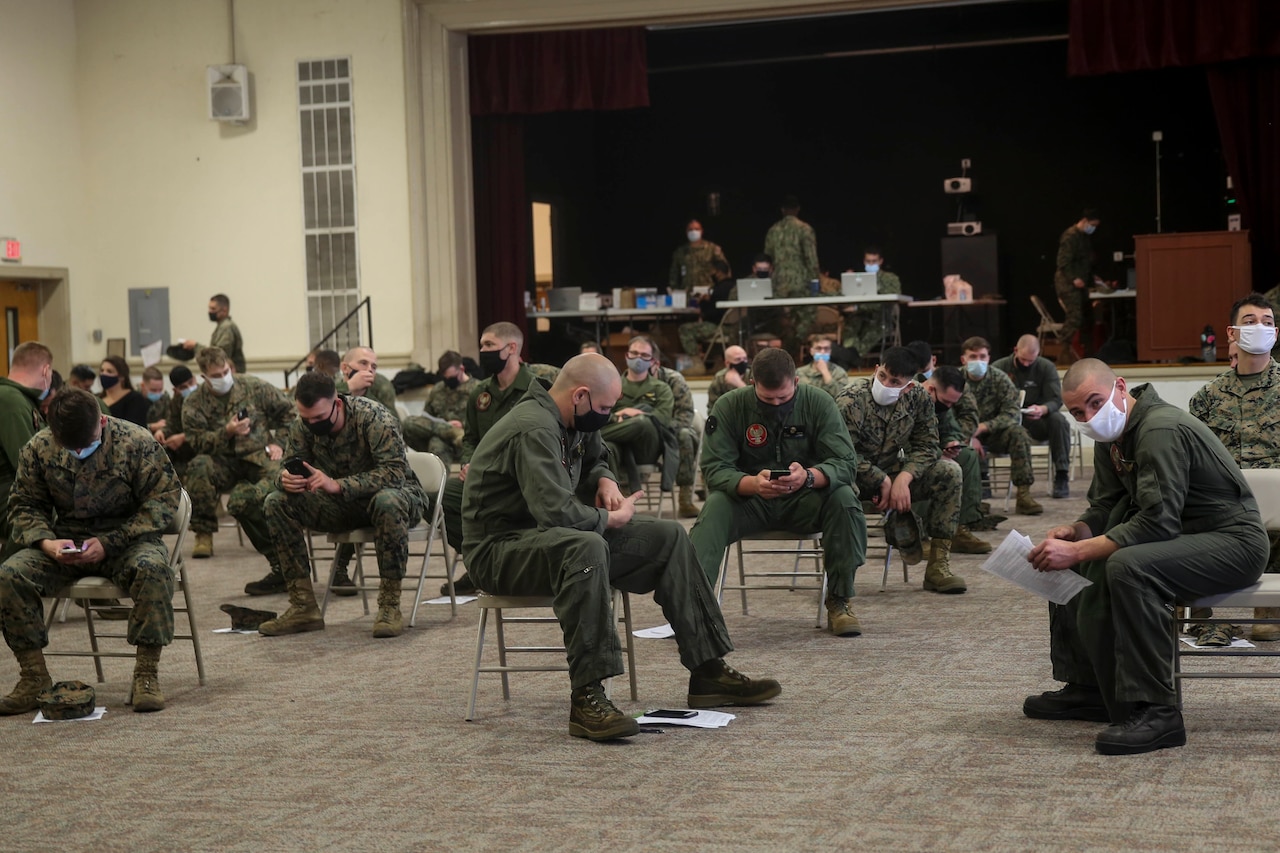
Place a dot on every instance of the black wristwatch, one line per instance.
(808, 480)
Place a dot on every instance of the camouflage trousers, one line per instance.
(391, 512)
(1015, 442)
(864, 331)
(1072, 299)
(248, 484)
(142, 569)
(688, 470)
(941, 487)
(694, 336)
(424, 435)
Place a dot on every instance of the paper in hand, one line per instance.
(1009, 561)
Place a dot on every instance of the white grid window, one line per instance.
(329, 200)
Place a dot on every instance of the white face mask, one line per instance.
(883, 395)
(221, 384)
(1089, 229)
(1107, 423)
(1256, 339)
(694, 236)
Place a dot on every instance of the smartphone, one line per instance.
(243, 414)
(779, 473)
(71, 549)
(671, 715)
(296, 467)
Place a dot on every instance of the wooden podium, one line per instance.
(1187, 281)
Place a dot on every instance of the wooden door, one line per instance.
(19, 307)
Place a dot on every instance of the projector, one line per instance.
(964, 229)
(957, 185)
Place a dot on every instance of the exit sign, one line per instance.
(12, 250)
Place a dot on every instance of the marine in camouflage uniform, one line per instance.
(435, 434)
(364, 457)
(865, 330)
(381, 391)
(159, 410)
(682, 415)
(227, 337)
(997, 401)
(902, 439)
(691, 266)
(20, 419)
(810, 375)
(239, 464)
(950, 433)
(1074, 263)
(794, 248)
(124, 495)
(720, 386)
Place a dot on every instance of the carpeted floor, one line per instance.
(910, 737)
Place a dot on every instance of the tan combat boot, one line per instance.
(1266, 633)
(146, 680)
(388, 622)
(33, 678)
(964, 542)
(937, 572)
(303, 614)
(840, 618)
(687, 509)
(1027, 505)
(203, 547)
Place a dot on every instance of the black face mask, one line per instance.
(324, 427)
(591, 421)
(493, 361)
(762, 273)
(108, 382)
(213, 317)
(451, 382)
(940, 409)
(781, 411)
(742, 367)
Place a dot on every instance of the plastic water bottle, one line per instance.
(1208, 345)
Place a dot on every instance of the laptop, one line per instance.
(858, 283)
(755, 288)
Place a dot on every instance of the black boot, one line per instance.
(1149, 727)
(1073, 702)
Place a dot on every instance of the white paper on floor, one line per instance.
(700, 720)
(235, 630)
(659, 633)
(1009, 561)
(444, 599)
(1237, 643)
(96, 715)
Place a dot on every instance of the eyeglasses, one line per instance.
(634, 354)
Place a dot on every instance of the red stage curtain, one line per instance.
(1135, 35)
(514, 75)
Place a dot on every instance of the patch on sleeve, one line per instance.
(711, 425)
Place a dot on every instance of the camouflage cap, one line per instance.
(245, 618)
(902, 531)
(66, 700)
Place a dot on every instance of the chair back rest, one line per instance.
(178, 524)
(430, 470)
(1046, 319)
(1265, 483)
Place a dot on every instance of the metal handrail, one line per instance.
(365, 304)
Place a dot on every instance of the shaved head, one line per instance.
(1027, 350)
(587, 381)
(1087, 371)
(734, 354)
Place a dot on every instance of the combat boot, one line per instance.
(272, 584)
(1266, 633)
(342, 584)
(1027, 505)
(964, 542)
(146, 680)
(937, 573)
(303, 614)
(593, 716)
(33, 678)
(203, 547)
(388, 622)
(840, 618)
(687, 509)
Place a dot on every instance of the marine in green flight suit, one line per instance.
(1170, 519)
(542, 515)
(779, 424)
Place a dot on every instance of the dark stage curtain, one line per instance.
(1239, 43)
(515, 75)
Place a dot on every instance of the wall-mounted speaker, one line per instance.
(228, 92)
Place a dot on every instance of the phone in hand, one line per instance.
(297, 467)
(669, 714)
(243, 414)
(779, 473)
(71, 549)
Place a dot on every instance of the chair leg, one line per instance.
(191, 622)
(742, 578)
(502, 651)
(475, 672)
(628, 627)
(93, 638)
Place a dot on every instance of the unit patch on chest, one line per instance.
(757, 435)
(484, 401)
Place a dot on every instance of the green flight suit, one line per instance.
(745, 437)
(530, 528)
(379, 490)
(903, 437)
(682, 412)
(1172, 498)
(125, 495)
(237, 464)
(20, 419)
(381, 391)
(637, 440)
(1043, 388)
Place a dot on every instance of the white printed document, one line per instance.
(1009, 561)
